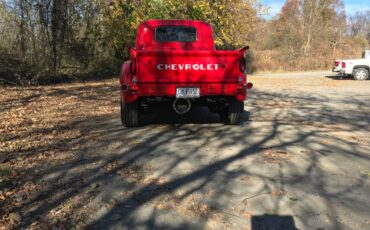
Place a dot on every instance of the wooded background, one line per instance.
(49, 41)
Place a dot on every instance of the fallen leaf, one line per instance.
(365, 173)
(247, 214)
(245, 178)
(94, 186)
(293, 199)
(278, 193)
(15, 218)
(9, 193)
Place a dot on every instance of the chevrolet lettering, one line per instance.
(208, 67)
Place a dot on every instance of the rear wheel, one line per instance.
(234, 113)
(130, 114)
(361, 74)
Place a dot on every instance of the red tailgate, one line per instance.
(190, 67)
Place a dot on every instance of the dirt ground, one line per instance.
(302, 161)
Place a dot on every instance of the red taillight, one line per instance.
(343, 65)
(337, 63)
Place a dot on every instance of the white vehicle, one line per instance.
(359, 69)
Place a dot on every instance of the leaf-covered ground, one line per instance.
(40, 127)
(302, 160)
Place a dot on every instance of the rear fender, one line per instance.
(128, 88)
(243, 57)
(133, 64)
(361, 66)
(244, 53)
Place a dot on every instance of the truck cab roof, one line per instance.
(174, 35)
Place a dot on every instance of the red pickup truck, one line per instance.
(175, 62)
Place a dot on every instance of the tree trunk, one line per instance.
(22, 28)
(58, 30)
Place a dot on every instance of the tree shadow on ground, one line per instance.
(194, 176)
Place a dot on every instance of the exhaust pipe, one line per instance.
(181, 106)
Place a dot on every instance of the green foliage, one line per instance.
(74, 37)
(53, 39)
(233, 21)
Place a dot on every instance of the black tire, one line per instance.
(234, 113)
(130, 114)
(361, 74)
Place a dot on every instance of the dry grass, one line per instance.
(320, 59)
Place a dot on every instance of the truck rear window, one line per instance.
(175, 34)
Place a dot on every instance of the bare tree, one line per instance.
(359, 24)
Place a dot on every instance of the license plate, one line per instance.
(187, 92)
